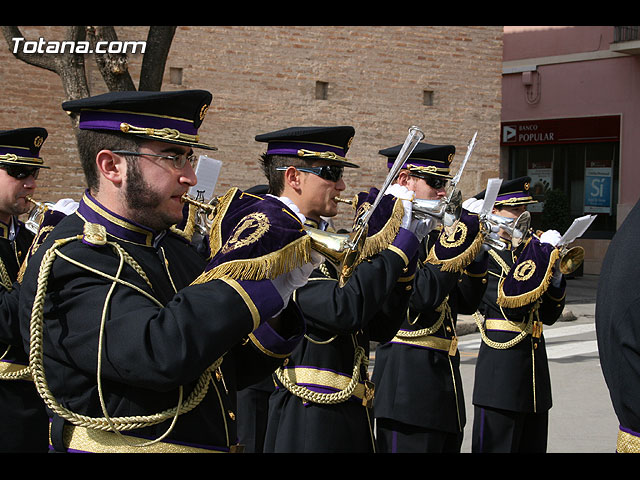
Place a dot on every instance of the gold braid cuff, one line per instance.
(96, 441)
(627, 442)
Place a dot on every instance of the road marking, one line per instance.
(554, 351)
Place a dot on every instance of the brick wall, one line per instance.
(264, 78)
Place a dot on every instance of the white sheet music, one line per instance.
(207, 171)
(491, 193)
(577, 228)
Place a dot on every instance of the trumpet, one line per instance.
(36, 215)
(446, 211)
(516, 228)
(205, 213)
(570, 259)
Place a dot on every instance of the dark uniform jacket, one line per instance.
(340, 322)
(504, 377)
(155, 343)
(23, 420)
(618, 327)
(417, 378)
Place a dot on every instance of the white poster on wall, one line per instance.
(597, 189)
(541, 174)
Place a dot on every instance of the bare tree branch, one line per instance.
(113, 66)
(159, 41)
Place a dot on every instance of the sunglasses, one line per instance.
(20, 171)
(333, 173)
(435, 182)
(179, 161)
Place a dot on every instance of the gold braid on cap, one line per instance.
(13, 158)
(428, 169)
(326, 155)
(160, 133)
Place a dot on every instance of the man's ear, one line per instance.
(111, 166)
(403, 178)
(292, 178)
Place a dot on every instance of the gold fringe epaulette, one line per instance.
(381, 240)
(533, 294)
(459, 262)
(271, 265)
(293, 255)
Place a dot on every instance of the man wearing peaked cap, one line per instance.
(512, 385)
(512, 193)
(322, 400)
(23, 420)
(426, 160)
(419, 403)
(123, 290)
(172, 117)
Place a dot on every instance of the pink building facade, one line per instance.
(570, 120)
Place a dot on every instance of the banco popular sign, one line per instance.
(561, 130)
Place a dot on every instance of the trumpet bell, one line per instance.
(571, 260)
(447, 212)
(520, 228)
(342, 250)
(36, 215)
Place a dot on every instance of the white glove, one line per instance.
(288, 282)
(473, 205)
(407, 196)
(289, 203)
(551, 236)
(422, 227)
(66, 206)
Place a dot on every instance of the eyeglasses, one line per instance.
(20, 171)
(333, 173)
(179, 161)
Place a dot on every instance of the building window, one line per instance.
(427, 97)
(586, 172)
(175, 75)
(322, 90)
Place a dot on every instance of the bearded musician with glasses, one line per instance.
(322, 397)
(23, 420)
(134, 348)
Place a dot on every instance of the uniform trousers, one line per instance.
(394, 437)
(503, 431)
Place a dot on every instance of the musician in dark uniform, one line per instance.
(419, 403)
(512, 385)
(23, 420)
(133, 347)
(617, 329)
(323, 396)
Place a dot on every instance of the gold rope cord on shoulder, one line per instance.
(5, 279)
(36, 365)
(445, 312)
(18, 373)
